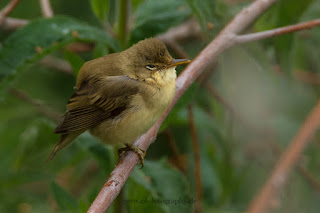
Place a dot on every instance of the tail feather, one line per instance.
(63, 141)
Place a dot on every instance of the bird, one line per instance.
(118, 97)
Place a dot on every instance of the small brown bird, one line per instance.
(118, 97)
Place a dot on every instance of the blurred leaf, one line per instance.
(100, 50)
(170, 185)
(74, 60)
(154, 17)
(208, 12)
(282, 14)
(136, 3)
(103, 153)
(63, 198)
(141, 193)
(100, 8)
(41, 37)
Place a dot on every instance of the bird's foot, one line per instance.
(130, 147)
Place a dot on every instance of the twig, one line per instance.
(175, 151)
(127, 163)
(123, 22)
(40, 106)
(184, 31)
(196, 151)
(286, 163)
(12, 23)
(278, 31)
(8, 9)
(57, 63)
(309, 177)
(188, 29)
(46, 8)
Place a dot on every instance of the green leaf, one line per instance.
(154, 17)
(74, 60)
(63, 198)
(208, 11)
(171, 186)
(136, 3)
(100, 8)
(100, 50)
(282, 14)
(41, 37)
(140, 194)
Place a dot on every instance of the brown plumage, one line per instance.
(118, 97)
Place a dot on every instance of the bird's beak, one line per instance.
(176, 62)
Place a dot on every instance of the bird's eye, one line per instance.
(151, 67)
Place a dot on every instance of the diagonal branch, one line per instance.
(8, 9)
(278, 31)
(46, 8)
(127, 163)
(286, 163)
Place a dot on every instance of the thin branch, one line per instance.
(46, 8)
(39, 105)
(286, 163)
(8, 9)
(57, 63)
(123, 22)
(178, 162)
(129, 160)
(186, 30)
(12, 23)
(275, 32)
(189, 29)
(196, 150)
(309, 177)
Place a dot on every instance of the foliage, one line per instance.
(237, 140)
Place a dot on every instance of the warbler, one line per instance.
(118, 97)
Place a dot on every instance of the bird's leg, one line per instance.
(130, 147)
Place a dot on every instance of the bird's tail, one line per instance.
(63, 141)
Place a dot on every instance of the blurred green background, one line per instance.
(247, 106)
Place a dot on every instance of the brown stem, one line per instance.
(179, 163)
(40, 106)
(12, 23)
(57, 63)
(46, 8)
(286, 163)
(275, 32)
(126, 164)
(8, 9)
(196, 150)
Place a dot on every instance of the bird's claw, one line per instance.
(130, 147)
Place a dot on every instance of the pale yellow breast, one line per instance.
(146, 108)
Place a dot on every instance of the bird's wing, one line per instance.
(96, 101)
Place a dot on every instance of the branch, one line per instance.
(196, 151)
(46, 8)
(123, 22)
(39, 105)
(12, 23)
(57, 63)
(286, 163)
(275, 32)
(8, 9)
(128, 161)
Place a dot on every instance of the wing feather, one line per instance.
(96, 101)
